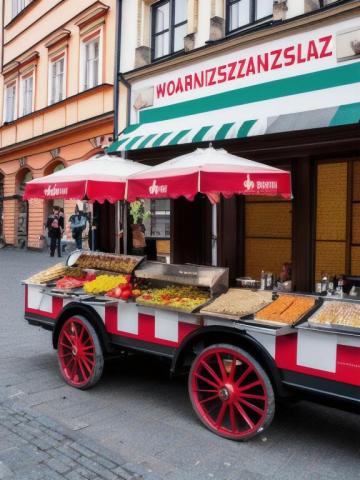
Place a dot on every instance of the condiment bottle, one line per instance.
(262, 280)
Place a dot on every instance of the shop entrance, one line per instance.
(24, 176)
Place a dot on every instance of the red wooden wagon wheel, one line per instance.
(80, 354)
(230, 392)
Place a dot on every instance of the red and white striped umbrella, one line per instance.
(211, 172)
(100, 178)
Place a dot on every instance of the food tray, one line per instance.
(231, 316)
(165, 307)
(224, 316)
(273, 323)
(74, 259)
(334, 328)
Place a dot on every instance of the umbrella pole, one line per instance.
(214, 259)
(125, 227)
(117, 226)
(92, 234)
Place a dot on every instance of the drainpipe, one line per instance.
(120, 79)
(117, 67)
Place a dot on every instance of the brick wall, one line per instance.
(331, 218)
(268, 243)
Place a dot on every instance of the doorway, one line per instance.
(24, 176)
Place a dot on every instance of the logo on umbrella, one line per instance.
(155, 189)
(54, 191)
(249, 184)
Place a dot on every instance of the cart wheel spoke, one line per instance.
(221, 414)
(209, 399)
(87, 365)
(204, 390)
(221, 365)
(232, 418)
(204, 379)
(90, 347)
(255, 397)
(256, 409)
(244, 415)
(244, 375)
(83, 373)
(211, 371)
(68, 337)
(233, 370)
(249, 386)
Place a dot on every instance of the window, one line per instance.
(91, 64)
(10, 102)
(57, 83)
(241, 13)
(18, 6)
(27, 94)
(169, 27)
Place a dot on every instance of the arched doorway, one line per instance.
(23, 177)
(1, 207)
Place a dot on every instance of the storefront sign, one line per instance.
(257, 80)
(279, 58)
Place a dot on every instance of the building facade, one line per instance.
(57, 76)
(273, 81)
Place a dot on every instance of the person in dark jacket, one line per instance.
(77, 226)
(55, 226)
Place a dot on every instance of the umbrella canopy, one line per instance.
(100, 178)
(211, 172)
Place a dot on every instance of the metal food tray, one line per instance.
(331, 326)
(234, 317)
(272, 323)
(166, 307)
(334, 328)
(224, 316)
(76, 255)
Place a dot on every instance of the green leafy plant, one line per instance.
(138, 212)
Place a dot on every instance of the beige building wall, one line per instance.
(70, 130)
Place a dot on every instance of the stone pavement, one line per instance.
(36, 448)
(143, 420)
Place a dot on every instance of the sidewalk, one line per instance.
(37, 448)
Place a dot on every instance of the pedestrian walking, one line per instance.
(55, 227)
(77, 226)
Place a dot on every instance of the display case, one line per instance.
(213, 279)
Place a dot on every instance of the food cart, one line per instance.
(242, 349)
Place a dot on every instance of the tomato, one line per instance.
(118, 292)
(125, 295)
(128, 278)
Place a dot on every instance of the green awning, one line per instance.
(187, 130)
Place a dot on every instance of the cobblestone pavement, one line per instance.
(138, 421)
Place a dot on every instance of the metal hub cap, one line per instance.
(226, 392)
